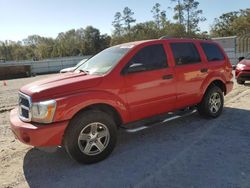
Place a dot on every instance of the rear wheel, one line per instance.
(90, 137)
(241, 82)
(212, 103)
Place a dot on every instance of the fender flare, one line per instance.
(69, 106)
(211, 78)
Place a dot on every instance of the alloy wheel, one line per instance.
(93, 139)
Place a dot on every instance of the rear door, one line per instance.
(190, 72)
(150, 90)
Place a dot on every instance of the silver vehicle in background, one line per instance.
(71, 69)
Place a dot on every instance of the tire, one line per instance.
(90, 137)
(212, 103)
(241, 82)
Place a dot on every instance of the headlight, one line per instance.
(240, 66)
(43, 112)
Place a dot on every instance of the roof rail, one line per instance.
(201, 38)
(165, 37)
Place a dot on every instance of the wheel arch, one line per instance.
(219, 84)
(104, 107)
(214, 82)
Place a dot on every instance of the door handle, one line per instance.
(167, 77)
(204, 70)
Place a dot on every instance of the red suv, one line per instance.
(82, 110)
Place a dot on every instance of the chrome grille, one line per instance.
(24, 107)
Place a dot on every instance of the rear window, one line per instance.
(185, 53)
(212, 51)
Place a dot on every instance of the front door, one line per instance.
(149, 83)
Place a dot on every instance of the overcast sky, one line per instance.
(20, 18)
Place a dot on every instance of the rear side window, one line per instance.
(152, 57)
(212, 52)
(185, 53)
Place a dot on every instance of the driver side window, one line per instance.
(150, 58)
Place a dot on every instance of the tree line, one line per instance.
(232, 23)
(89, 40)
(71, 43)
(187, 17)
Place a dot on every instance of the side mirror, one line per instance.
(136, 67)
(241, 58)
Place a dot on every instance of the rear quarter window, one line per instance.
(213, 52)
(185, 53)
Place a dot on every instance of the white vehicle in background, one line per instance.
(71, 69)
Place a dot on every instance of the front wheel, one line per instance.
(241, 82)
(90, 137)
(212, 103)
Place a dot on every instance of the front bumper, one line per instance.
(36, 134)
(242, 74)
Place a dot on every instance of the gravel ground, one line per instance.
(188, 152)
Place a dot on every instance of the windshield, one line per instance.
(103, 61)
(81, 62)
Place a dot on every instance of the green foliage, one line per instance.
(156, 14)
(232, 23)
(86, 41)
(117, 24)
(127, 17)
(10, 50)
(160, 26)
(159, 16)
(179, 11)
(188, 14)
(122, 22)
(149, 30)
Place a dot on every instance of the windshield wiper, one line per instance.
(84, 71)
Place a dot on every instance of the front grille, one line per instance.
(247, 71)
(25, 113)
(24, 107)
(24, 101)
(245, 76)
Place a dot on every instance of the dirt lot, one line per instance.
(188, 152)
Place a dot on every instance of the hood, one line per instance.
(60, 85)
(245, 62)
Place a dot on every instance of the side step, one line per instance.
(157, 120)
